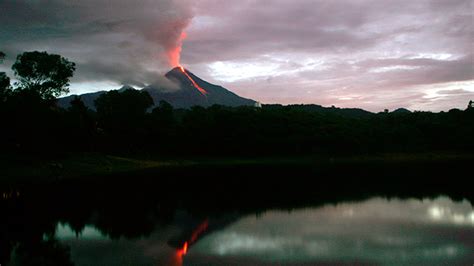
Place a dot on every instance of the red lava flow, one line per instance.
(200, 89)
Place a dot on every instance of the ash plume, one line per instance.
(136, 41)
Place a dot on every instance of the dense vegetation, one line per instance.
(125, 123)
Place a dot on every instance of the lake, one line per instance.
(374, 231)
(198, 218)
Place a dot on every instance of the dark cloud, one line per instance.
(250, 28)
(121, 41)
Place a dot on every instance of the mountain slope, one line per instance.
(190, 91)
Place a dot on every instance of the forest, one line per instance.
(129, 122)
(126, 129)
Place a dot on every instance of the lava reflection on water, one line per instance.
(182, 251)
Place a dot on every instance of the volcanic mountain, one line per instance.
(190, 91)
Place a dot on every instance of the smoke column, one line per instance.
(169, 32)
(174, 54)
(124, 41)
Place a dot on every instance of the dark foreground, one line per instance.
(197, 199)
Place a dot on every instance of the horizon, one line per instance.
(283, 104)
(371, 55)
(122, 86)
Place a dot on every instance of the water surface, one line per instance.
(376, 231)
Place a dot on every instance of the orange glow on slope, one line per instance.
(174, 55)
(199, 230)
(200, 89)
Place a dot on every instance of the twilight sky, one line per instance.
(372, 54)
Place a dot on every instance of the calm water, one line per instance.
(376, 231)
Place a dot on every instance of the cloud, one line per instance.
(454, 92)
(367, 53)
(122, 41)
(372, 54)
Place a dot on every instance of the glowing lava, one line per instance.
(174, 55)
(200, 89)
(194, 236)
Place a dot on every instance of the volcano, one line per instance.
(190, 91)
(195, 91)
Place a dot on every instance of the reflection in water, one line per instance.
(176, 259)
(196, 233)
(375, 231)
(182, 251)
(63, 231)
(194, 237)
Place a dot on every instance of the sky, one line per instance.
(371, 54)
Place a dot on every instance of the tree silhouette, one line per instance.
(4, 86)
(162, 125)
(44, 74)
(129, 102)
(81, 123)
(163, 114)
(4, 81)
(78, 106)
(122, 111)
(37, 253)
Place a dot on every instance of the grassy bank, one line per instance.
(33, 170)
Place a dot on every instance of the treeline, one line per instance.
(126, 122)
